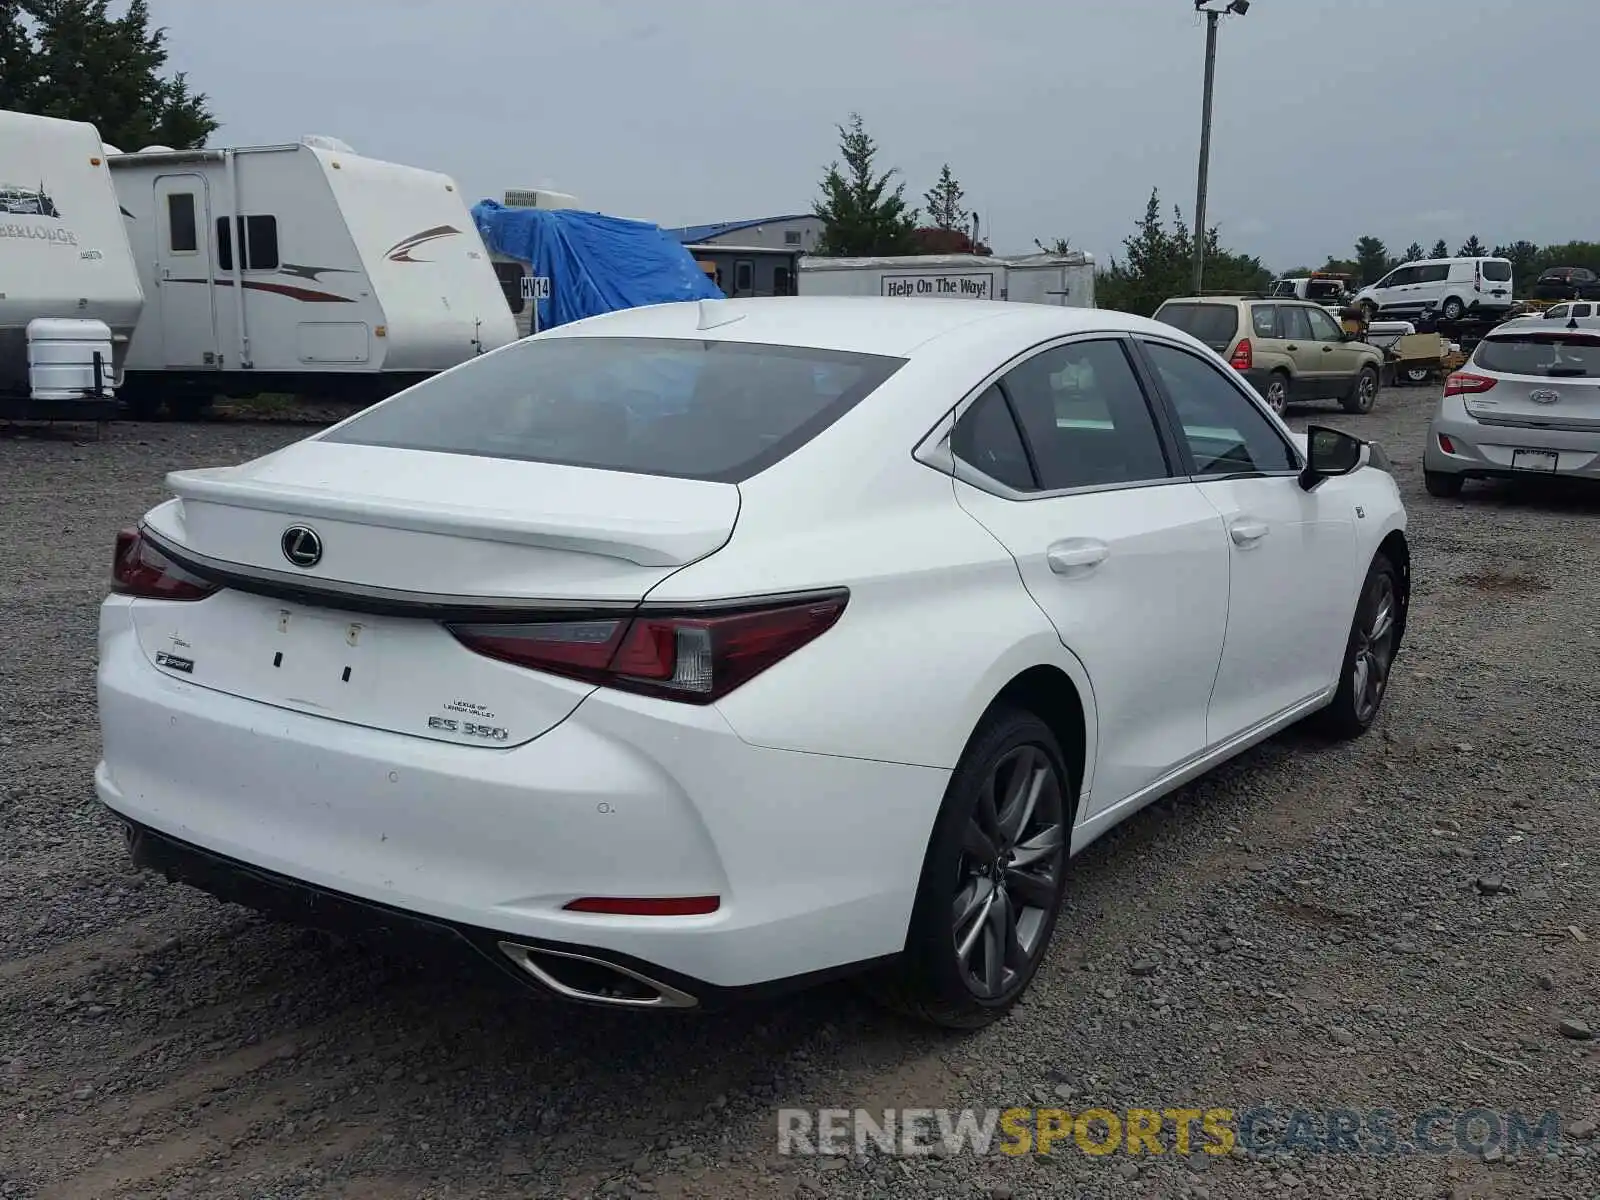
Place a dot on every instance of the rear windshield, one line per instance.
(719, 411)
(1214, 324)
(1555, 355)
(1498, 271)
(1324, 289)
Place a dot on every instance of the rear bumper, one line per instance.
(409, 934)
(1486, 451)
(815, 858)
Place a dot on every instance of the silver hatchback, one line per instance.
(1526, 403)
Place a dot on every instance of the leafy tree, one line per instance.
(1524, 256)
(1441, 249)
(1342, 266)
(1159, 265)
(944, 202)
(1372, 260)
(73, 59)
(1472, 248)
(932, 240)
(1057, 245)
(861, 215)
(1413, 252)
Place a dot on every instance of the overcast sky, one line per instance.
(1408, 119)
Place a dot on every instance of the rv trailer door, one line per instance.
(185, 271)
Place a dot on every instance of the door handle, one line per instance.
(1291, 348)
(1248, 533)
(1327, 349)
(1076, 556)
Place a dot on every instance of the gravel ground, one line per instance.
(1403, 922)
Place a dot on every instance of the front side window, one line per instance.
(1225, 433)
(1401, 278)
(1085, 417)
(1323, 328)
(718, 411)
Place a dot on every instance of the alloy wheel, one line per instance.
(1278, 394)
(1367, 391)
(1374, 648)
(1010, 872)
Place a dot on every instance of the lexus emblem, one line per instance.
(1544, 396)
(301, 546)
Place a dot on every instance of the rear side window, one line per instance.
(1293, 324)
(986, 438)
(1437, 273)
(1497, 271)
(1264, 320)
(719, 411)
(1085, 417)
(1214, 324)
(1552, 355)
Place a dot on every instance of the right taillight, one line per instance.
(1244, 356)
(1464, 383)
(693, 657)
(139, 569)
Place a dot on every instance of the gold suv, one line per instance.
(1289, 350)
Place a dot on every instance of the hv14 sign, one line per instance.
(946, 287)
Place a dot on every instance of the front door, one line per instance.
(184, 271)
(1341, 360)
(1291, 552)
(1121, 552)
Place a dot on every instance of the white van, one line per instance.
(1451, 287)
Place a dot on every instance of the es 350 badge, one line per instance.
(493, 733)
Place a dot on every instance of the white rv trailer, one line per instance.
(63, 257)
(304, 269)
(1064, 280)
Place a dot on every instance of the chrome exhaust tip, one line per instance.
(595, 981)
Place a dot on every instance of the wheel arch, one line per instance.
(1052, 695)
(1397, 550)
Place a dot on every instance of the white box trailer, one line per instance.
(64, 257)
(1065, 280)
(304, 269)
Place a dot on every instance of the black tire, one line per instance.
(1277, 393)
(1442, 484)
(1453, 309)
(1363, 392)
(1416, 375)
(933, 980)
(1368, 655)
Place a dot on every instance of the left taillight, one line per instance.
(139, 569)
(694, 657)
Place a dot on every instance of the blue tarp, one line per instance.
(595, 263)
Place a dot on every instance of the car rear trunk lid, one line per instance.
(409, 540)
(1543, 380)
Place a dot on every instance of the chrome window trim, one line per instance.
(934, 448)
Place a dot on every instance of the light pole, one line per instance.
(1213, 19)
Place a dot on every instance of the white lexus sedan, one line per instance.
(707, 649)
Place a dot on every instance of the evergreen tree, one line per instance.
(860, 214)
(944, 203)
(1372, 259)
(73, 59)
(1441, 249)
(1414, 252)
(1473, 248)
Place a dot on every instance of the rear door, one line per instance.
(1063, 461)
(1291, 552)
(184, 271)
(1294, 334)
(1495, 282)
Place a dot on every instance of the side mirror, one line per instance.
(1331, 452)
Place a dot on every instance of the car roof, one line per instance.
(1536, 323)
(860, 324)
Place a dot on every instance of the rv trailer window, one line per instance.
(260, 244)
(181, 231)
